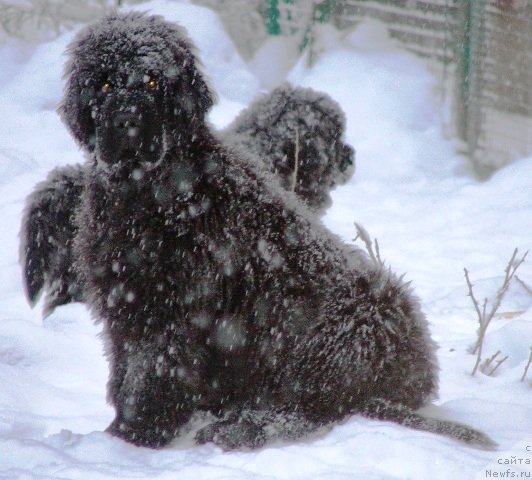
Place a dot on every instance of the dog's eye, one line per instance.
(107, 87)
(152, 83)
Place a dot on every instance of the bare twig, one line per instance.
(364, 236)
(498, 364)
(378, 252)
(524, 284)
(527, 365)
(485, 367)
(483, 325)
(485, 317)
(493, 357)
(472, 296)
(296, 163)
(510, 270)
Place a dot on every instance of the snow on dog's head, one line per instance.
(128, 94)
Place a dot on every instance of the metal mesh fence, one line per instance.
(424, 27)
(497, 82)
(486, 45)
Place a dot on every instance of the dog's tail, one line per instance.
(385, 410)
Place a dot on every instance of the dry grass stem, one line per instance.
(375, 255)
(527, 365)
(485, 316)
(524, 285)
(488, 367)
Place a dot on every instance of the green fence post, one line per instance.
(321, 13)
(467, 64)
(272, 18)
(472, 71)
(465, 53)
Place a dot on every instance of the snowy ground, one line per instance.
(410, 190)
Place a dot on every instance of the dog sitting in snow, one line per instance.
(218, 291)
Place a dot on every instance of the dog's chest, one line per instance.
(154, 251)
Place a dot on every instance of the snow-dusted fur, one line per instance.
(297, 123)
(218, 291)
(266, 129)
(47, 232)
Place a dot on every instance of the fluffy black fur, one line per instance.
(217, 290)
(266, 129)
(297, 123)
(47, 233)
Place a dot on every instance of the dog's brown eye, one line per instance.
(152, 83)
(107, 87)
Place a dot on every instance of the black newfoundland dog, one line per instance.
(295, 133)
(218, 291)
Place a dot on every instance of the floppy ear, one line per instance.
(75, 107)
(75, 111)
(190, 96)
(346, 162)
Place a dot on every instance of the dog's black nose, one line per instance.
(126, 122)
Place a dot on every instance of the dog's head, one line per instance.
(300, 133)
(133, 88)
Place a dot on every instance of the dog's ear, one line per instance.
(190, 95)
(75, 108)
(346, 157)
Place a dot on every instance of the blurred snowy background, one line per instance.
(412, 190)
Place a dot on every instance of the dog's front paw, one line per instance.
(141, 435)
(231, 434)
